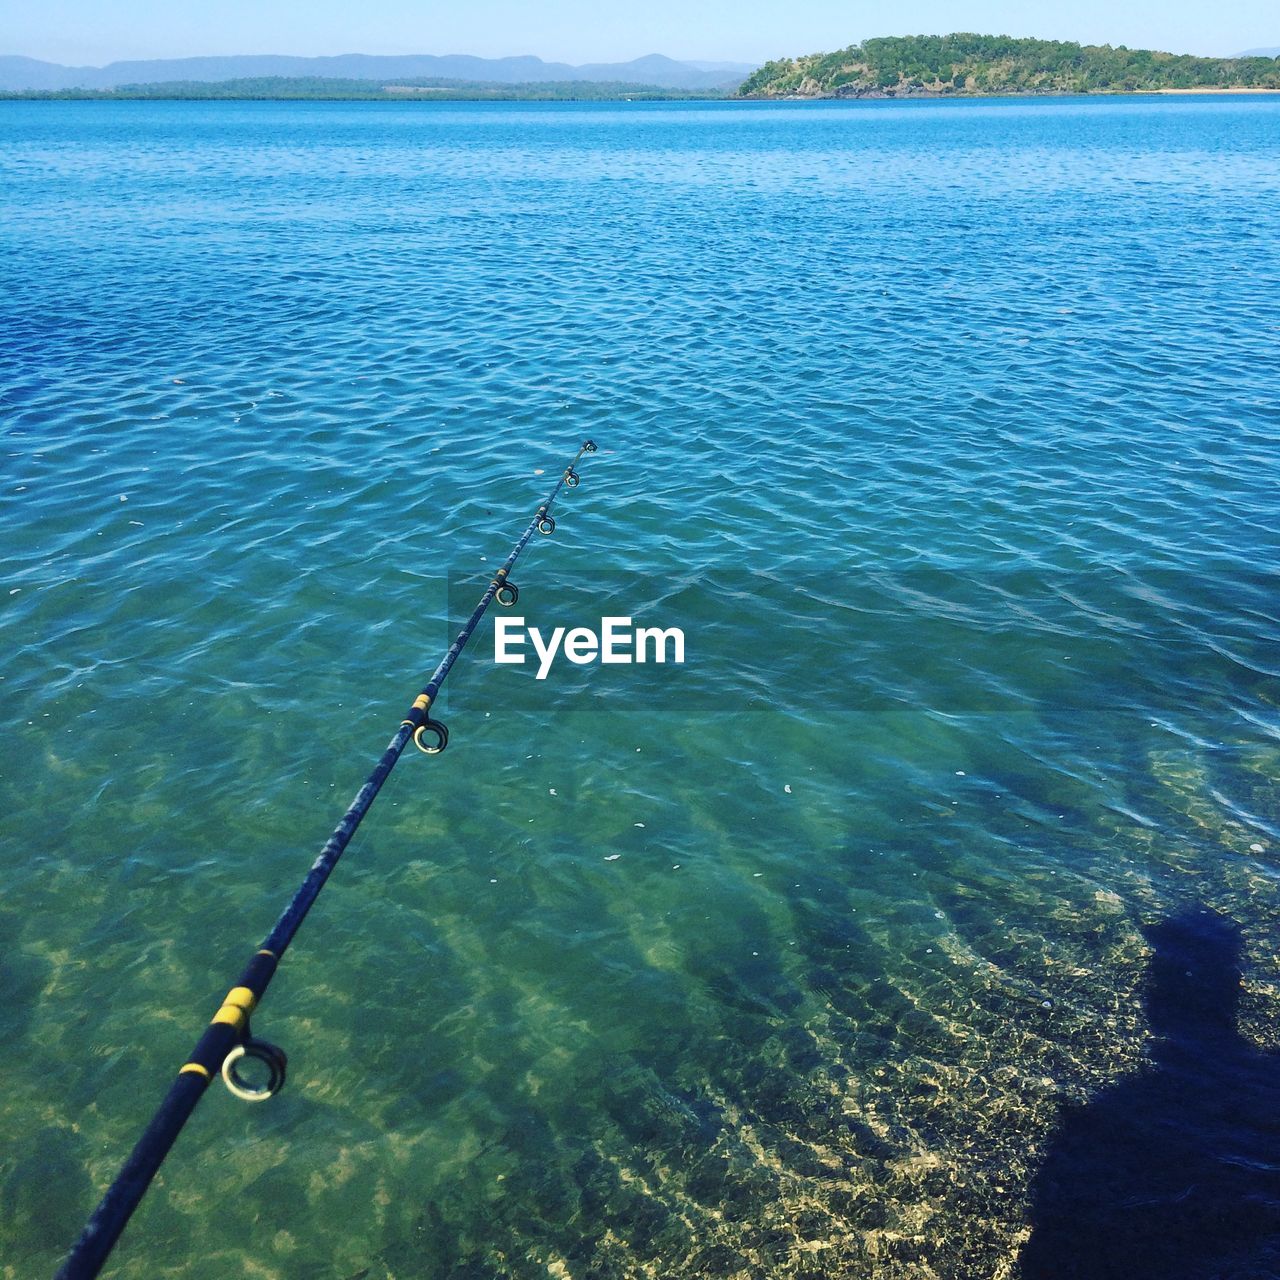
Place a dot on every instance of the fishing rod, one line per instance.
(227, 1040)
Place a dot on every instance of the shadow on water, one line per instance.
(1173, 1174)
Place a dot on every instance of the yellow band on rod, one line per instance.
(236, 1007)
(194, 1068)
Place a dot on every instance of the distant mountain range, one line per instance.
(18, 73)
(1273, 52)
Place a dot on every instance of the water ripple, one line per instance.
(946, 431)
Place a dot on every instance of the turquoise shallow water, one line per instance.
(947, 432)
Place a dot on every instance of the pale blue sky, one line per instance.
(98, 31)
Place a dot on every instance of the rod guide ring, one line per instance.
(507, 594)
(258, 1051)
(546, 524)
(440, 733)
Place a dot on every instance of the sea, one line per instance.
(920, 925)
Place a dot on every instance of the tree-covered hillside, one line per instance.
(965, 63)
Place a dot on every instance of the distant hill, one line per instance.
(28, 73)
(411, 89)
(1273, 52)
(975, 64)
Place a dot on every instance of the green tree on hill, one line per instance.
(965, 62)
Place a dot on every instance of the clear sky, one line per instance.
(92, 32)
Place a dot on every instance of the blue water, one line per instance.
(947, 432)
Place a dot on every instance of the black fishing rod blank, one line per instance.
(227, 1039)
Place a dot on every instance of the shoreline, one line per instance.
(929, 95)
(398, 94)
(1211, 89)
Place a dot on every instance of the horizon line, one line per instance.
(599, 61)
(358, 53)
